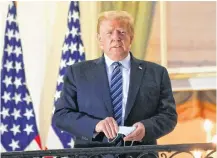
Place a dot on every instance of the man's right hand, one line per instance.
(108, 126)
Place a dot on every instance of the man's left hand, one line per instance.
(138, 134)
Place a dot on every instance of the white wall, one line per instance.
(3, 14)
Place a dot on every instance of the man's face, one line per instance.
(115, 39)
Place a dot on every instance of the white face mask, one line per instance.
(123, 131)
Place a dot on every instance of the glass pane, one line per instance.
(191, 33)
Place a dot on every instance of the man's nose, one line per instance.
(115, 35)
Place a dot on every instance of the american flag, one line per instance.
(18, 125)
(72, 52)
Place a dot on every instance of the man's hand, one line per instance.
(138, 134)
(108, 126)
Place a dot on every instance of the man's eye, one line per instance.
(123, 32)
(109, 33)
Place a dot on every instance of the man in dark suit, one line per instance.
(116, 90)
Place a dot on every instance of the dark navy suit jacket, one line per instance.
(85, 100)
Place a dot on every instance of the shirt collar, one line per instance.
(125, 62)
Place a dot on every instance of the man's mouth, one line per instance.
(116, 46)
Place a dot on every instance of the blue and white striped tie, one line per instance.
(116, 90)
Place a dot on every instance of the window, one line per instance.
(183, 39)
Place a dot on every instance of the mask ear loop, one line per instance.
(113, 139)
(130, 144)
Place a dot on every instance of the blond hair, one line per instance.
(117, 15)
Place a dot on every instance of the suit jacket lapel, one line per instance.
(101, 83)
(136, 74)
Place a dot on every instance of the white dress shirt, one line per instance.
(125, 68)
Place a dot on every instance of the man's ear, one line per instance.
(100, 41)
(131, 39)
(99, 38)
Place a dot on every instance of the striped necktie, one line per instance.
(116, 90)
